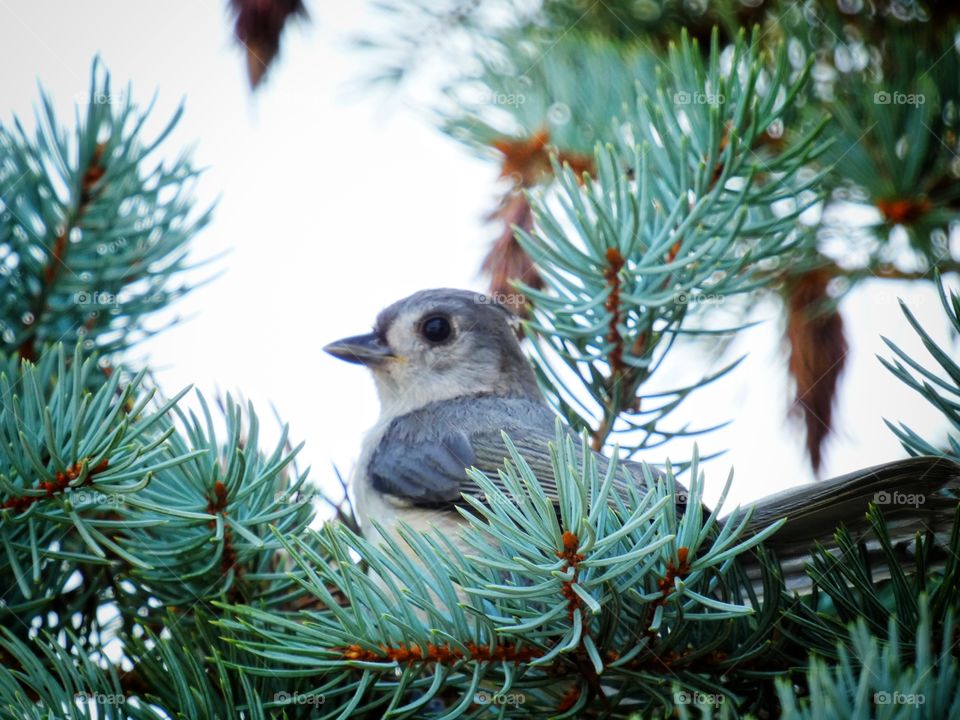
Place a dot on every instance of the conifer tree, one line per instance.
(158, 562)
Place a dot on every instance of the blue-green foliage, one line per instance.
(872, 681)
(158, 562)
(683, 211)
(941, 389)
(93, 227)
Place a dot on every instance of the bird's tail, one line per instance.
(919, 494)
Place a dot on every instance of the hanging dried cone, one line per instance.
(527, 162)
(258, 27)
(818, 352)
(506, 260)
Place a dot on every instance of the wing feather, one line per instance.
(427, 468)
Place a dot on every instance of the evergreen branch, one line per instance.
(893, 116)
(157, 514)
(870, 580)
(70, 457)
(206, 526)
(92, 238)
(871, 679)
(681, 209)
(189, 669)
(45, 679)
(942, 392)
(600, 599)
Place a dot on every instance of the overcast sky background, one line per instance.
(334, 204)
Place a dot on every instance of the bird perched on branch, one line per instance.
(451, 378)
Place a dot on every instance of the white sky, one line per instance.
(335, 205)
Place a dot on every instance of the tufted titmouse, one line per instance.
(451, 375)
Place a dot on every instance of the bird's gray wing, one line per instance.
(432, 472)
(429, 469)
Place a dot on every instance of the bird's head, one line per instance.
(437, 345)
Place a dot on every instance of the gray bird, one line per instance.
(451, 376)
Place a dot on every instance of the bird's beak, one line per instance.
(369, 349)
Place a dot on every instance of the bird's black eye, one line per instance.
(436, 329)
